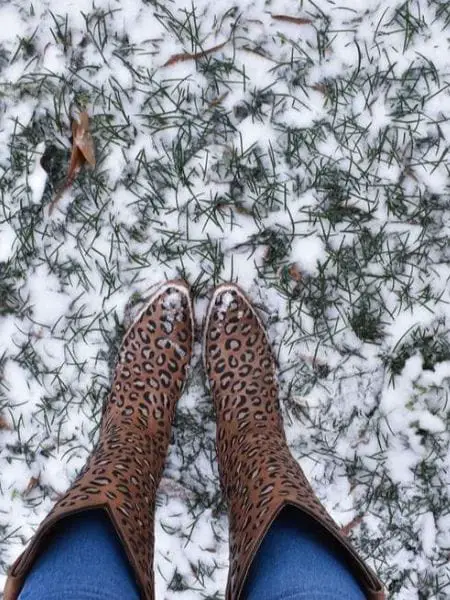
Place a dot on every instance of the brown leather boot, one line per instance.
(259, 476)
(124, 470)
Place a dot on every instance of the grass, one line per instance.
(351, 151)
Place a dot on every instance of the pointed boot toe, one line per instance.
(259, 476)
(123, 472)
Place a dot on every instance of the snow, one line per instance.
(428, 528)
(308, 252)
(172, 306)
(12, 23)
(7, 239)
(431, 423)
(38, 178)
(48, 304)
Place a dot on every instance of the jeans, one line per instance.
(84, 560)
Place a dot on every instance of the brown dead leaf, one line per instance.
(289, 19)
(176, 58)
(218, 100)
(409, 172)
(345, 530)
(294, 272)
(82, 152)
(266, 253)
(83, 139)
(235, 207)
(38, 334)
(320, 87)
(34, 481)
(4, 424)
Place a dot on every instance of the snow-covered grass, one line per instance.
(306, 160)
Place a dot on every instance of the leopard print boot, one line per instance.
(124, 470)
(259, 476)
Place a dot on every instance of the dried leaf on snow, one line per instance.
(294, 272)
(82, 152)
(34, 481)
(295, 20)
(345, 530)
(4, 424)
(176, 58)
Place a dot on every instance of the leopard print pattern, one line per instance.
(258, 474)
(124, 470)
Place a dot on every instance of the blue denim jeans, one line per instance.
(84, 560)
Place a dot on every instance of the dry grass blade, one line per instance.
(83, 139)
(82, 152)
(346, 529)
(319, 87)
(176, 58)
(34, 481)
(294, 272)
(289, 19)
(216, 101)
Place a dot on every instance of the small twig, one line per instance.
(346, 529)
(294, 272)
(188, 56)
(4, 424)
(218, 100)
(34, 481)
(82, 152)
(289, 19)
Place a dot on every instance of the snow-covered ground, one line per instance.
(304, 157)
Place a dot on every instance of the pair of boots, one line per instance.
(258, 475)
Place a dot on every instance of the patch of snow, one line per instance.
(7, 241)
(308, 252)
(428, 533)
(38, 178)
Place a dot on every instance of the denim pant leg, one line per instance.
(298, 560)
(84, 560)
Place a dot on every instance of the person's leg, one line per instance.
(298, 559)
(125, 467)
(258, 473)
(83, 560)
